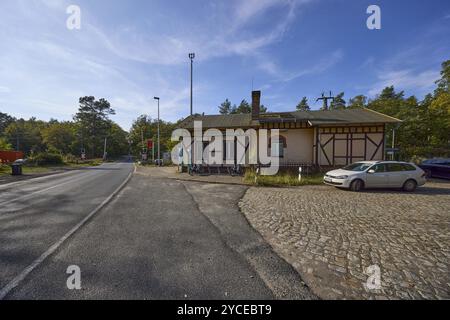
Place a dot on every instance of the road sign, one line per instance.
(150, 143)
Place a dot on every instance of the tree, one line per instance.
(263, 109)
(225, 107)
(443, 84)
(338, 103)
(303, 105)
(93, 119)
(5, 145)
(117, 143)
(359, 101)
(244, 107)
(60, 137)
(25, 135)
(5, 120)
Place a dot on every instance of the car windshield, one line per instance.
(358, 166)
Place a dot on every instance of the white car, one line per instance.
(377, 174)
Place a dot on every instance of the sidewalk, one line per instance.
(172, 173)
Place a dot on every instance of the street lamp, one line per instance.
(159, 150)
(192, 56)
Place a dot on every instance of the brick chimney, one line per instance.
(256, 104)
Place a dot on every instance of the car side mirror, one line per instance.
(371, 171)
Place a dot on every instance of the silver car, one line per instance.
(377, 174)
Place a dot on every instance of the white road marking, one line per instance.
(19, 278)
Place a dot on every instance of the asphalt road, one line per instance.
(157, 239)
(35, 214)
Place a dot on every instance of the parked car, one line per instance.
(377, 174)
(436, 168)
(20, 161)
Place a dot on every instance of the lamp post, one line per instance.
(192, 56)
(159, 150)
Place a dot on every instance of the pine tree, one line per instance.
(303, 105)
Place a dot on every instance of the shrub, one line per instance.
(44, 159)
(70, 158)
(282, 179)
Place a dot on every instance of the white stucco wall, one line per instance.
(300, 143)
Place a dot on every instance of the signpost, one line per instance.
(144, 154)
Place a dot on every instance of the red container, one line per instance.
(10, 156)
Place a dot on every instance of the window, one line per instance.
(277, 147)
(378, 168)
(359, 166)
(408, 167)
(395, 167)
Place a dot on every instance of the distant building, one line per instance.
(321, 138)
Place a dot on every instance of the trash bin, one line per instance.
(16, 169)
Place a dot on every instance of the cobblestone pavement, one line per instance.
(332, 236)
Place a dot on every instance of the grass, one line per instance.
(34, 169)
(282, 179)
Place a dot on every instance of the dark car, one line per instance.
(436, 168)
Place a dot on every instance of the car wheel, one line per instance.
(410, 186)
(357, 185)
(428, 174)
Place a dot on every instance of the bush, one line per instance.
(45, 159)
(70, 158)
(282, 179)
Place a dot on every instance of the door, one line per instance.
(397, 175)
(379, 178)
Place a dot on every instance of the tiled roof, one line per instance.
(331, 117)
(347, 116)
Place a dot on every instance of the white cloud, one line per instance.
(4, 89)
(227, 36)
(405, 79)
(314, 68)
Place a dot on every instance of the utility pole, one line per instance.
(153, 149)
(159, 146)
(325, 100)
(393, 144)
(104, 150)
(192, 56)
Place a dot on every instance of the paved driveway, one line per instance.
(331, 236)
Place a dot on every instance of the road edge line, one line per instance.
(19, 278)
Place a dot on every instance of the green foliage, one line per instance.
(244, 107)
(4, 145)
(359, 101)
(282, 179)
(425, 130)
(46, 159)
(338, 102)
(303, 105)
(225, 107)
(144, 128)
(90, 127)
(60, 137)
(94, 124)
(25, 135)
(5, 120)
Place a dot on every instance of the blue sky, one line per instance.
(130, 51)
